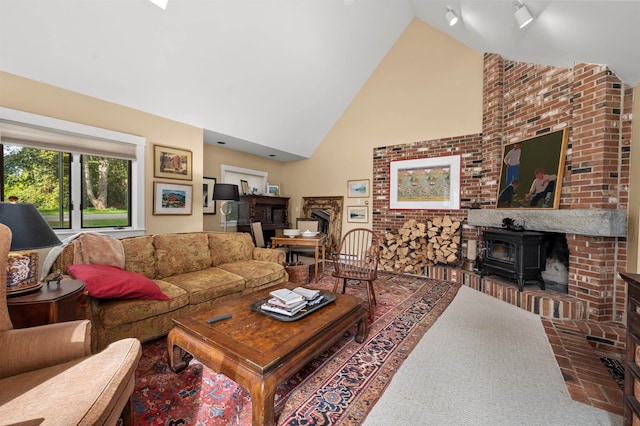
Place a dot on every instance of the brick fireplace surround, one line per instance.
(523, 100)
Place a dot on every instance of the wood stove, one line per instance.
(516, 255)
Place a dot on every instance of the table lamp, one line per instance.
(225, 192)
(29, 231)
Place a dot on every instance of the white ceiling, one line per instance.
(271, 77)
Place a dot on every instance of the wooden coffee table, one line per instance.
(257, 351)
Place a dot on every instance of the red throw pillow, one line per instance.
(111, 282)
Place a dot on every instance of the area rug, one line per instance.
(338, 387)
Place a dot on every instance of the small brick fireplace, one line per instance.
(523, 100)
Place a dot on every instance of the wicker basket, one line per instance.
(298, 272)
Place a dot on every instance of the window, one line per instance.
(78, 177)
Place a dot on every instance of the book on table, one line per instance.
(287, 296)
(290, 302)
(277, 302)
(270, 307)
(307, 293)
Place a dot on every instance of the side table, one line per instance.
(52, 303)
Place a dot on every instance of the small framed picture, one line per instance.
(172, 163)
(358, 214)
(208, 203)
(245, 187)
(172, 199)
(358, 188)
(273, 190)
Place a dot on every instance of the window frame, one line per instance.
(97, 134)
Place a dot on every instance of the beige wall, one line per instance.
(27, 95)
(428, 86)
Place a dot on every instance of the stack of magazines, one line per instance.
(290, 302)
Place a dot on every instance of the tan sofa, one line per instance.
(195, 270)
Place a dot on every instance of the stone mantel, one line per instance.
(598, 223)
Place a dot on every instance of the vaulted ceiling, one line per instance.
(272, 77)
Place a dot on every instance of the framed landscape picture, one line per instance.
(208, 203)
(531, 172)
(273, 190)
(171, 199)
(358, 188)
(425, 183)
(358, 214)
(172, 163)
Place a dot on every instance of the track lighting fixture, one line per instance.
(160, 3)
(522, 15)
(451, 16)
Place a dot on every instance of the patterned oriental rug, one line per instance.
(338, 387)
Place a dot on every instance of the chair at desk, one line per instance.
(357, 259)
(258, 237)
(257, 234)
(304, 224)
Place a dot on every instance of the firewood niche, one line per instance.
(417, 245)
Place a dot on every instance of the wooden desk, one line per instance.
(258, 351)
(317, 242)
(51, 304)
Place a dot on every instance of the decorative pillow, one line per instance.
(110, 282)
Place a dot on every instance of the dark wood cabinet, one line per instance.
(632, 358)
(273, 212)
(51, 304)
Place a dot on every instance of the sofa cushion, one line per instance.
(181, 253)
(256, 272)
(110, 282)
(208, 284)
(139, 255)
(116, 312)
(232, 247)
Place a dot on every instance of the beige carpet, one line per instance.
(484, 362)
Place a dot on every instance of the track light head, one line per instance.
(522, 15)
(162, 4)
(451, 17)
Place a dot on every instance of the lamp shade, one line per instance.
(226, 191)
(28, 228)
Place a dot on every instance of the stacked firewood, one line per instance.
(417, 245)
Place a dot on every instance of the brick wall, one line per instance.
(523, 100)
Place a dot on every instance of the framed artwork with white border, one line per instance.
(358, 214)
(172, 199)
(425, 183)
(358, 188)
(273, 190)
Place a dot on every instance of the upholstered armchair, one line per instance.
(49, 376)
